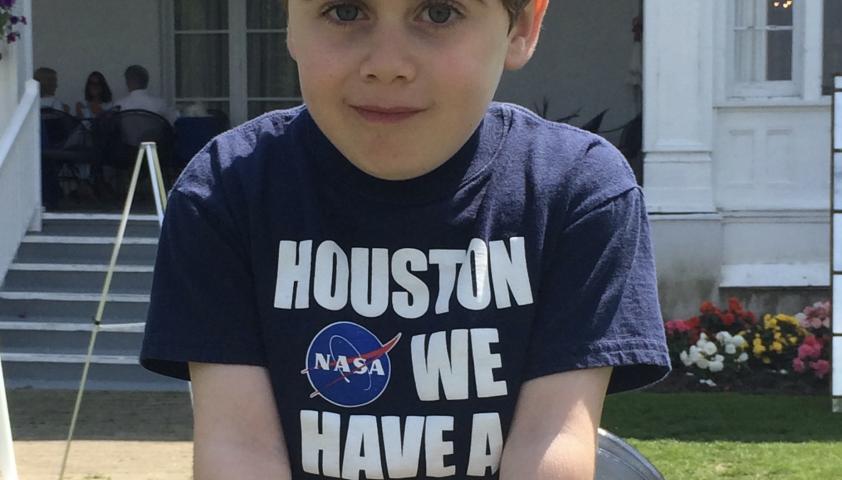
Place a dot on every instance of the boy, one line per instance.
(393, 279)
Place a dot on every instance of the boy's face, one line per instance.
(399, 85)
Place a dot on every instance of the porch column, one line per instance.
(678, 105)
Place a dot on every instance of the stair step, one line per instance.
(34, 310)
(82, 325)
(64, 280)
(107, 372)
(98, 224)
(139, 251)
(62, 342)
(74, 296)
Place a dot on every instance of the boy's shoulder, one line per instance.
(580, 167)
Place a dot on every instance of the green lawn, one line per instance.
(703, 436)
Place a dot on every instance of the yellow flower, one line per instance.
(759, 349)
(777, 335)
(777, 347)
(767, 360)
(769, 323)
(792, 339)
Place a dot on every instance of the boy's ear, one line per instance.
(523, 37)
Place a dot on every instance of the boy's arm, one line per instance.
(236, 429)
(554, 429)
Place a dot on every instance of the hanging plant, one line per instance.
(9, 22)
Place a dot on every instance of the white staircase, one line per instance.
(50, 296)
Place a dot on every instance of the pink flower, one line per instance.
(798, 365)
(821, 367)
(811, 348)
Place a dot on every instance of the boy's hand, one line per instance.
(554, 430)
(236, 429)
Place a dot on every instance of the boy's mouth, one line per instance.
(378, 114)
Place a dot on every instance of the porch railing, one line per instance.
(20, 175)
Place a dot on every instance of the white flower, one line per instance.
(690, 374)
(723, 337)
(703, 336)
(716, 366)
(709, 348)
(695, 354)
(800, 316)
(730, 349)
(718, 358)
(783, 372)
(708, 382)
(685, 359)
(738, 340)
(742, 358)
(702, 363)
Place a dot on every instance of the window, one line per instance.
(832, 44)
(231, 55)
(766, 57)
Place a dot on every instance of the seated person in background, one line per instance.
(137, 80)
(98, 97)
(48, 78)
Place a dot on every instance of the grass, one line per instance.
(705, 436)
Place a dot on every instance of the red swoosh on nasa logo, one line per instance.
(372, 355)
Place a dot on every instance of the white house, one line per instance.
(735, 96)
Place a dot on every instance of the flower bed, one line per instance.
(731, 350)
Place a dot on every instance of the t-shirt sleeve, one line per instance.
(202, 306)
(598, 300)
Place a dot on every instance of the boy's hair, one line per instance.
(514, 7)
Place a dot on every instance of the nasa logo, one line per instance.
(347, 365)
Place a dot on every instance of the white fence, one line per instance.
(20, 175)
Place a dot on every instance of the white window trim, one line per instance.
(805, 87)
(238, 98)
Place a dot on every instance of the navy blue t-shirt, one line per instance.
(398, 319)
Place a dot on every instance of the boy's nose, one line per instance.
(388, 59)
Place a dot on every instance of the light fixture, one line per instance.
(782, 3)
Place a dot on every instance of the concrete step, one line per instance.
(33, 306)
(99, 225)
(81, 277)
(89, 250)
(61, 338)
(107, 372)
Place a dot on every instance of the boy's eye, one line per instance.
(440, 13)
(345, 12)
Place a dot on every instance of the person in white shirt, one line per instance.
(48, 78)
(137, 80)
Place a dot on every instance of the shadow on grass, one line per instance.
(722, 416)
(155, 416)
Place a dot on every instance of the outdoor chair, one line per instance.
(193, 133)
(124, 131)
(67, 148)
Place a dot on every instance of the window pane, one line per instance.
(201, 14)
(265, 14)
(272, 72)
(257, 108)
(201, 65)
(832, 43)
(779, 55)
(744, 55)
(744, 13)
(780, 12)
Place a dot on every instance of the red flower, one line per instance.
(734, 305)
(798, 365)
(693, 322)
(707, 308)
(728, 319)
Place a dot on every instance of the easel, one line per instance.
(148, 150)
